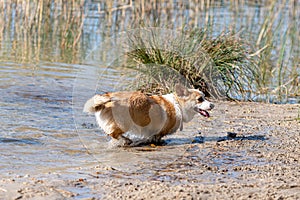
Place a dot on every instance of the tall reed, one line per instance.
(39, 28)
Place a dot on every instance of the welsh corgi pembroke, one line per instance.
(145, 116)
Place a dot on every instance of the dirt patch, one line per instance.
(246, 150)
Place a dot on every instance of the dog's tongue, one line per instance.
(204, 113)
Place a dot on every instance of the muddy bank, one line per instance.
(259, 159)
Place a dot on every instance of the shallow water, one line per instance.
(43, 126)
(35, 114)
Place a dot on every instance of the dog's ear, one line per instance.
(181, 90)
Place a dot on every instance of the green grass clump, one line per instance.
(218, 66)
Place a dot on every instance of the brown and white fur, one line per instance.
(149, 117)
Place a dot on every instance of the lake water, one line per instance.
(44, 85)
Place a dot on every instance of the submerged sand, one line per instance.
(245, 151)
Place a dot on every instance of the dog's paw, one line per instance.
(121, 142)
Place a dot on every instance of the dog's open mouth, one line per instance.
(203, 113)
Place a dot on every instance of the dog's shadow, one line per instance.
(203, 139)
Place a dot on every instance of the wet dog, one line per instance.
(148, 117)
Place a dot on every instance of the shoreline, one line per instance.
(261, 162)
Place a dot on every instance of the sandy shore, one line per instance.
(260, 159)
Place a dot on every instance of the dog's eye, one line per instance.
(200, 99)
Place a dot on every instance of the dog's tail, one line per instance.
(95, 102)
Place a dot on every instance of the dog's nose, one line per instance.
(211, 106)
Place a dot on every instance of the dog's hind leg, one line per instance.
(141, 142)
(124, 140)
(118, 140)
(156, 139)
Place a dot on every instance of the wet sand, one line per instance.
(244, 151)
